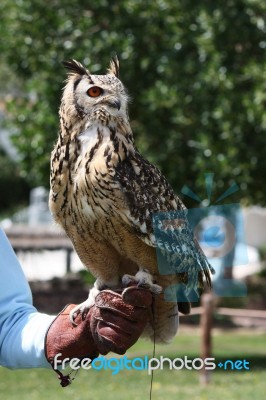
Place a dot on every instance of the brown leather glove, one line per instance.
(114, 323)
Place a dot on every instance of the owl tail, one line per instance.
(164, 320)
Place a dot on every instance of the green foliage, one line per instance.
(12, 186)
(262, 252)
(195, 70)
(86, 277)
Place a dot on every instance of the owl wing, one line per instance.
(158, 217)
(145, 192)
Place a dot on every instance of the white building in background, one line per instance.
(255, 226)
(38, 211)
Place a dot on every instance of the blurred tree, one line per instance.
(13, 188)
(195, 70)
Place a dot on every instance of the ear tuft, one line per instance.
(114, 66)
(75, 67)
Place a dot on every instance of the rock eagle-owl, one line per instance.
(104, 194)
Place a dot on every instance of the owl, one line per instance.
(109, 200)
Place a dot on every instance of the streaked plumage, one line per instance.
(105, 194)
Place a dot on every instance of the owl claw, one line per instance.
(81, 309)
(72, 315)
(143, 279)
(128, 279)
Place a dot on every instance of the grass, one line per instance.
(167, 384)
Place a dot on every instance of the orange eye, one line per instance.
(94, 91)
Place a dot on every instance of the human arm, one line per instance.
(27, 337)
(22, 327)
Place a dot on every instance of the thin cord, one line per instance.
(153, 351)
(66, 380)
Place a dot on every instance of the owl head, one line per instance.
(85, 95)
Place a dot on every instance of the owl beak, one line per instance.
(115, 104)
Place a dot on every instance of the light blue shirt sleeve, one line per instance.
(22, 327)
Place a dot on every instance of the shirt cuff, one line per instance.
(24, 344)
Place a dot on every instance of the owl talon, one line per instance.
(128, 279)
(75, 313)
(143, 279)
(72, 316)
(81, 309)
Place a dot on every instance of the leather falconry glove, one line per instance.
(114, 323)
